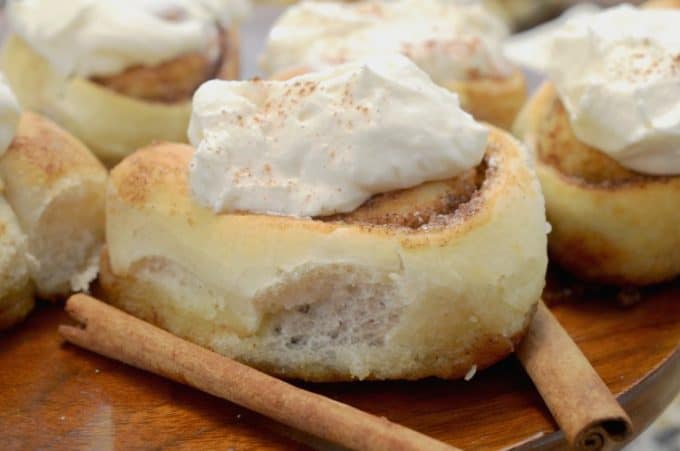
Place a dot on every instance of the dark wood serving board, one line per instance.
(56, 396)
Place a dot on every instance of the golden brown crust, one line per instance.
(661, 4)
(45, 153)
(493, 100)
(176, 80)
(610, 225)
(140, 175)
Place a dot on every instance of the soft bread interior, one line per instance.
(332, 323)
(66, 240)
(57, 188)
(356, 297)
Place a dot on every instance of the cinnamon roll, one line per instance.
(458, 45)
(119, 74)
(16, 291)
(606, 134)
(56, 186)
(51, 209)
(319, 230)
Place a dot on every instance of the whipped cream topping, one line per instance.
(10, 112)
(448, 40)
(530, 49)
(618, 75)
(104, 37)
(325, 142)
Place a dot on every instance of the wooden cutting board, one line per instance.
(59, 397)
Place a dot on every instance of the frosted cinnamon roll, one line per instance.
(328, 233)
(606, 134)
(16, 291)
(119, 73)
(51, 210)
(458, 45)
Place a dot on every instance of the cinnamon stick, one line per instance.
(115, 334)
(577, 397)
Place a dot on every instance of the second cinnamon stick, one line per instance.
(115, 334)
(577, 397)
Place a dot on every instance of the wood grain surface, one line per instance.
(59, 397)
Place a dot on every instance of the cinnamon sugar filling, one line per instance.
(173, 81)
(558, 146)
(431, 204)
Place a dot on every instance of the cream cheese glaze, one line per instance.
(9, 115)
(325, 142)
(618, 75)
(449, 41)
(104, 37)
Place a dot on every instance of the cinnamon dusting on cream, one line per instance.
(326, 142)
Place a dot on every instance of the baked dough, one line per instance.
(609, 224)
(56, 188)
(493, 100)
(376, 294)
(661, 4)
(16, 293)
(111, 125)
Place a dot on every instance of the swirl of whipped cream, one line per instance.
(449, 41)
(325, 142)
(104, 37)
(618, 75)
(10, 113)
